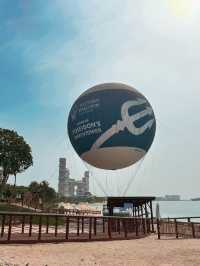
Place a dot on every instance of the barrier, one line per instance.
(24, 227)
(179, 227)
(65, 211)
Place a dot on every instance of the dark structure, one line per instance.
(141, 206)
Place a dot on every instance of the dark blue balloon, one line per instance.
(111, 126)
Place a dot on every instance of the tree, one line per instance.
(34, 187)
(15, 154)
(45, 192)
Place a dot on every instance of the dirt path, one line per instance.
(145, 252)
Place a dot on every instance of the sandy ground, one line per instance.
(145, 252)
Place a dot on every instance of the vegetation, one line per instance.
(45, 192)
(12, 191)
(15, 154)
(42, 191)
(11, 208)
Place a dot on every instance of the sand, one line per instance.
(145, 252)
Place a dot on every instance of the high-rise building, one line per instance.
(69, 187)
(63, 176)
(86, 181)
(62, 168)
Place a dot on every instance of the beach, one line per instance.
(142, 252)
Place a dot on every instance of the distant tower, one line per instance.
(62, 168)
(69, 187)
(63, 176)
(86, 181)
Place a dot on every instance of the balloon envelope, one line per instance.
(111, 126)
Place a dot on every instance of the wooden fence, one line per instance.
(72, 212)
(179, 227)
(23, 227)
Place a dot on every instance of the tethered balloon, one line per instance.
(111, 126)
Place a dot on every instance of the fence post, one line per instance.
(176, 228)
(152, 219)
(125, 227)
(56, 225)
(23, 222)
(47, 224)
(109, 228)
(40, 227)
(115, 225)
(90, 227)
(158, 228)
(30, 225)
(103, 225)
(147, 219)
(67, 228)
(136, 226)
(149, 225)
(193, 230)
(95, 226)
(143, 226)
(78, 226)
(118, 225)
(3, 225)
(10, 227)
(82, 221)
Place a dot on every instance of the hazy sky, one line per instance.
(51, 51)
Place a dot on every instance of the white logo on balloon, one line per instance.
(127, 122)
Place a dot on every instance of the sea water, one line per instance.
(178, 208)
(172, 209)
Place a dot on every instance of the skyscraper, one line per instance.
(86, 181)
(69, 187)
(62, 168)
(63, 176)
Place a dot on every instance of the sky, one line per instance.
(52, 51)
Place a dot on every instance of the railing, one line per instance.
(182, 227)
(65, 211)
(23, 227)
(73, 212)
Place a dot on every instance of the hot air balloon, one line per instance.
(111, 126)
